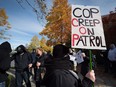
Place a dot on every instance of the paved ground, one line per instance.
(102, 79)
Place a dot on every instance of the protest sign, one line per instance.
(87, 28)
(79, 57)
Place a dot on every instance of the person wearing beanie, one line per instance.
(59, 71)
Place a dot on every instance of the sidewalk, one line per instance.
(104, 79)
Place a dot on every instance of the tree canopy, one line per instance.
(58, 26)
(4, 24)
(35, 42)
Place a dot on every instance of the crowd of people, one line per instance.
(54, 69)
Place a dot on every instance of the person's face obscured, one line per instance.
(19, 50)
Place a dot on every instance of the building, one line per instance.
(109, 25)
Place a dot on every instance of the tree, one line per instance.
(4, 24)
(34, 43)
(44, 46)
(58, 27)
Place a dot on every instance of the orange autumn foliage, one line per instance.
(58, 27)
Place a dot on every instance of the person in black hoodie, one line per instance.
(23, 63)
(59, 71)
(5, 49)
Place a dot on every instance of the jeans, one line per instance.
(37, 76)
(20, 76)
(2, 84)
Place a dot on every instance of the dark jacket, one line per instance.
(22, 59)
(5, 49)
(85, 66)
(41, 68)
(57, 70)
(58, 75)
(33, 54)
(41, 59)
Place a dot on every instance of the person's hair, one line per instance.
(40, 49)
